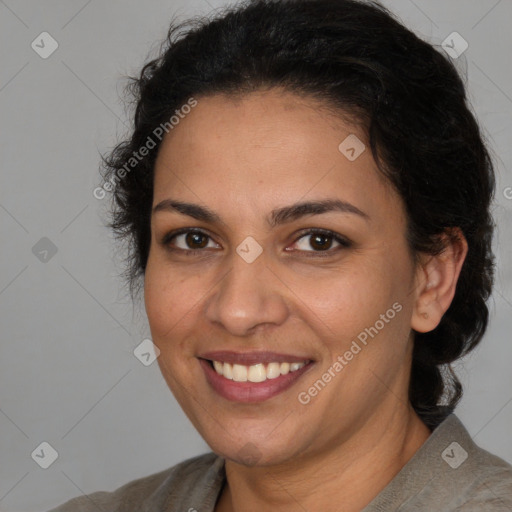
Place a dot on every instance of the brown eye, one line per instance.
(189, 240)
(317, 241)
(196, 240)
(320, 242)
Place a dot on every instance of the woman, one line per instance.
(306, 195)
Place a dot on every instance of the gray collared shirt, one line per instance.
(448, 473)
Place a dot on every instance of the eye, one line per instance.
(320, 241)
(189, 240)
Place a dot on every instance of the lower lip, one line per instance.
(250, 392)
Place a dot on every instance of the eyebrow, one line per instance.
(298, 210)
(277, 216)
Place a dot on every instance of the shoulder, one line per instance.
(488, 483)
(474, 479)
(450, 472)
(197, 479)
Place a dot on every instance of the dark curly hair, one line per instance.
(405, 94)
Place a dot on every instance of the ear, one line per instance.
(436, 280)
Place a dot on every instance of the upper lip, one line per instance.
(251, 358)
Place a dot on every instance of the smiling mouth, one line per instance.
(259, 372)
(260, 378)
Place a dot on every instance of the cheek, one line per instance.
(169, 298)
(349, 298)
(349, 303)
(361, 320)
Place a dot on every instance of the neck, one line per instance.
(355, 470)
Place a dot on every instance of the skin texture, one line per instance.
(242, 158)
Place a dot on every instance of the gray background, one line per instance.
(68, 375)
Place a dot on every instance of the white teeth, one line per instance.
(273, 370)
(239, 373)
(256, 372)
(218, 367)
(284, 368)
(227, 371)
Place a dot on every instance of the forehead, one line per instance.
(266, 148)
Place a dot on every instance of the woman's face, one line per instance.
(273, 245)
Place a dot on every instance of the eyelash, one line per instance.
(344, 243)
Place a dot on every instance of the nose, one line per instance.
(249, 297)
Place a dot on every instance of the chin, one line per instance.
(253, 450)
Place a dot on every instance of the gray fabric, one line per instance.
(428, 482)
(441, 477)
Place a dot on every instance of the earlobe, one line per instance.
(436, 279)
